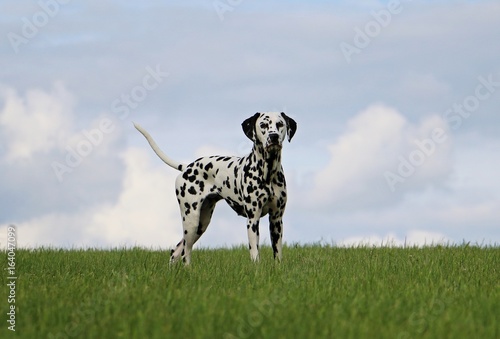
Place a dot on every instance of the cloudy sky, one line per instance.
(397, 105)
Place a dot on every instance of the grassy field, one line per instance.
(317, 292)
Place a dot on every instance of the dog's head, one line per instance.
(269, 129)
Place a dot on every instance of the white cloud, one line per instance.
(37, 131)
(378, 140)
(145, 213)
(413, 238)
(37, 122)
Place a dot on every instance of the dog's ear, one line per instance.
(291, 126)
(249, 126)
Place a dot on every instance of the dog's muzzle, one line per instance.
(273, 143)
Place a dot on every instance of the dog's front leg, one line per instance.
(276, 231)
(253, 238)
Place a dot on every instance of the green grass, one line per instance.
(317, 292)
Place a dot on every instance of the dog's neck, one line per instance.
(269, 164)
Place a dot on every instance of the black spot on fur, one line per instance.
(227, 183)
(199, 231)
(188, 208)
(255, 228)
(183, 190)
(187, 175)
(236, 207)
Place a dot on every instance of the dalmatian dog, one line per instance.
(253, 186)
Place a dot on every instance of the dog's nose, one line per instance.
(274, 138)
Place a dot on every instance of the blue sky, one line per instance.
(396, 105)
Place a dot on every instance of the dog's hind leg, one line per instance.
(207, 210)
(183, 248)
(196, 220)
(190, 225)
(176, 253)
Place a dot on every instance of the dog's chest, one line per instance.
(242, 182)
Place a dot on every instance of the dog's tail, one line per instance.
(172, 163)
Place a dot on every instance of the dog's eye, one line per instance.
(280, 125)
(264, 125)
